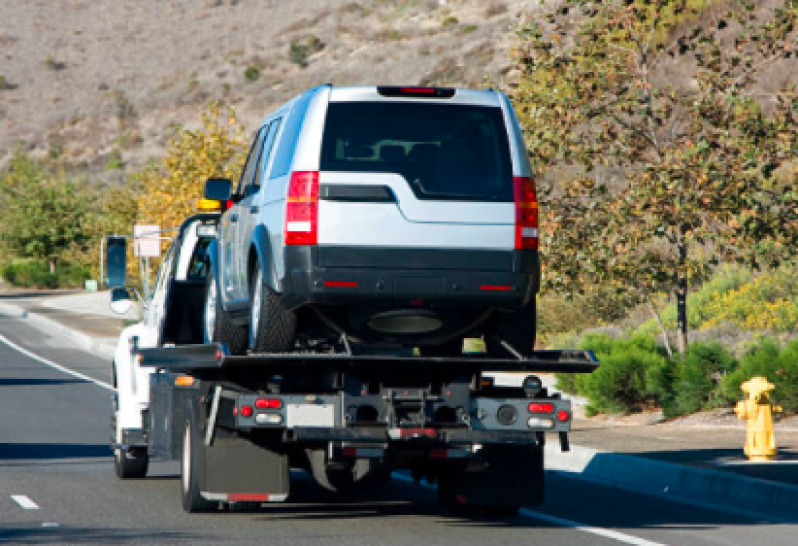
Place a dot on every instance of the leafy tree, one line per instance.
(43, 213)
(170, 189)
(659, 178)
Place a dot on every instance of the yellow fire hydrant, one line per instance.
(760, 443)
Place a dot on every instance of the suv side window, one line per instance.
(252, 161)
(274, 130)
(285, 152)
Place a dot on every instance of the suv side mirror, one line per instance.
(116, 260)
(218, 189)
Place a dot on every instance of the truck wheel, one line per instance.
(271, 326)
(458, 507)
(131, 464)
(190, 462)
(216, 323)
(516, 328)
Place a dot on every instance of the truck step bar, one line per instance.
(214, 357)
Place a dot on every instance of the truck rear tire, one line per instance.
(518, 328)
(131, 464)
(190, 465)
(216, 323)
(272, 328)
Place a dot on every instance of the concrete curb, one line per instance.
(47, 325)
(680, 482)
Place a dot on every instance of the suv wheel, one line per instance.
(216, 323)
(516, 328)
(272, 327)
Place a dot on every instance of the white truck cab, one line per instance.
(172, 315)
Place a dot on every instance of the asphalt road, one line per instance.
(55, 460)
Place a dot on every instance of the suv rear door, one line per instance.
(416, 174)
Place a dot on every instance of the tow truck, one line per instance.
(345, 414)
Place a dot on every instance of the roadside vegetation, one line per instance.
(636, 374)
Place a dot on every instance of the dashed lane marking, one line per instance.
(25, 502)
(54, 365)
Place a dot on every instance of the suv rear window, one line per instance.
(444, 151)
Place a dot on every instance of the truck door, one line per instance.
(156, 310)
(251, 205)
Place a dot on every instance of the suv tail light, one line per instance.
(526, 213)
(302, 208)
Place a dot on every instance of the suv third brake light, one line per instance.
(302, 208)
(526, 213)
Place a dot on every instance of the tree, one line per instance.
(170, 189)
(662, 154)
(43, 212)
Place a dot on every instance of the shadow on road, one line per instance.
(53, 451)
(77, 535)
(32, 382)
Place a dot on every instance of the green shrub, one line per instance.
(29, 275)
(629, 375)
(299, 50)
(779, 366)
(252, 74)
(697, 380)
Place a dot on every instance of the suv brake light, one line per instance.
(526, 213)
(302, 208)
(416, 91)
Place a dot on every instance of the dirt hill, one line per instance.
(101, 82)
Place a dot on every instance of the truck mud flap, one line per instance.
(236, 469)
(509, 476)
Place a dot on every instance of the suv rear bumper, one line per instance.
(402, 277)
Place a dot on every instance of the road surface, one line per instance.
(57, 485)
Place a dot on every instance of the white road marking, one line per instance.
(600, 531)
(52, 364)
(25, 502)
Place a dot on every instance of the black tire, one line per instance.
(518, 328)
(131, 464)
(272, 328)
(216, 323)
(190, 460)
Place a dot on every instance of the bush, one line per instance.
(779, 366)
(697, 380)
(29, 275)
(252, 74)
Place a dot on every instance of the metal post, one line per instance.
(147, 272)
(102, 258)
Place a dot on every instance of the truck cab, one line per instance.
(172, 315)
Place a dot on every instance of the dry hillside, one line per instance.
(99, 81)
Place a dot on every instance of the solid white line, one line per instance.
(607, 533)
(52, 364)
(25, 502)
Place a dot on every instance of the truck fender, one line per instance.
(263, 253)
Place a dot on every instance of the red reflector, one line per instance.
(439, 453)
(240, 497)
(349, 452)
(302, 208)
(536, 407)
(268, 403)
(410, 432)
(562, 416)
(227, 205)
(340, 284)
(235, 411)
(219, 355)
(495, 287)
(246, 411)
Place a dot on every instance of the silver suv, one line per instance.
(393, 216)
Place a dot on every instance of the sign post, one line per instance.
(146, 244)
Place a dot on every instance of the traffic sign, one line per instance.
(147, 242)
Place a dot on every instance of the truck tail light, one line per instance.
(526, 213)
(302, 208)
(536, 407)
(268, 403)
(246, 411)
(563, 416)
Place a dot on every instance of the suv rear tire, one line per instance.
(272, 327)
(216, 323)
(518, 328)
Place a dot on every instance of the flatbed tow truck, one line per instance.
(239, 424)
